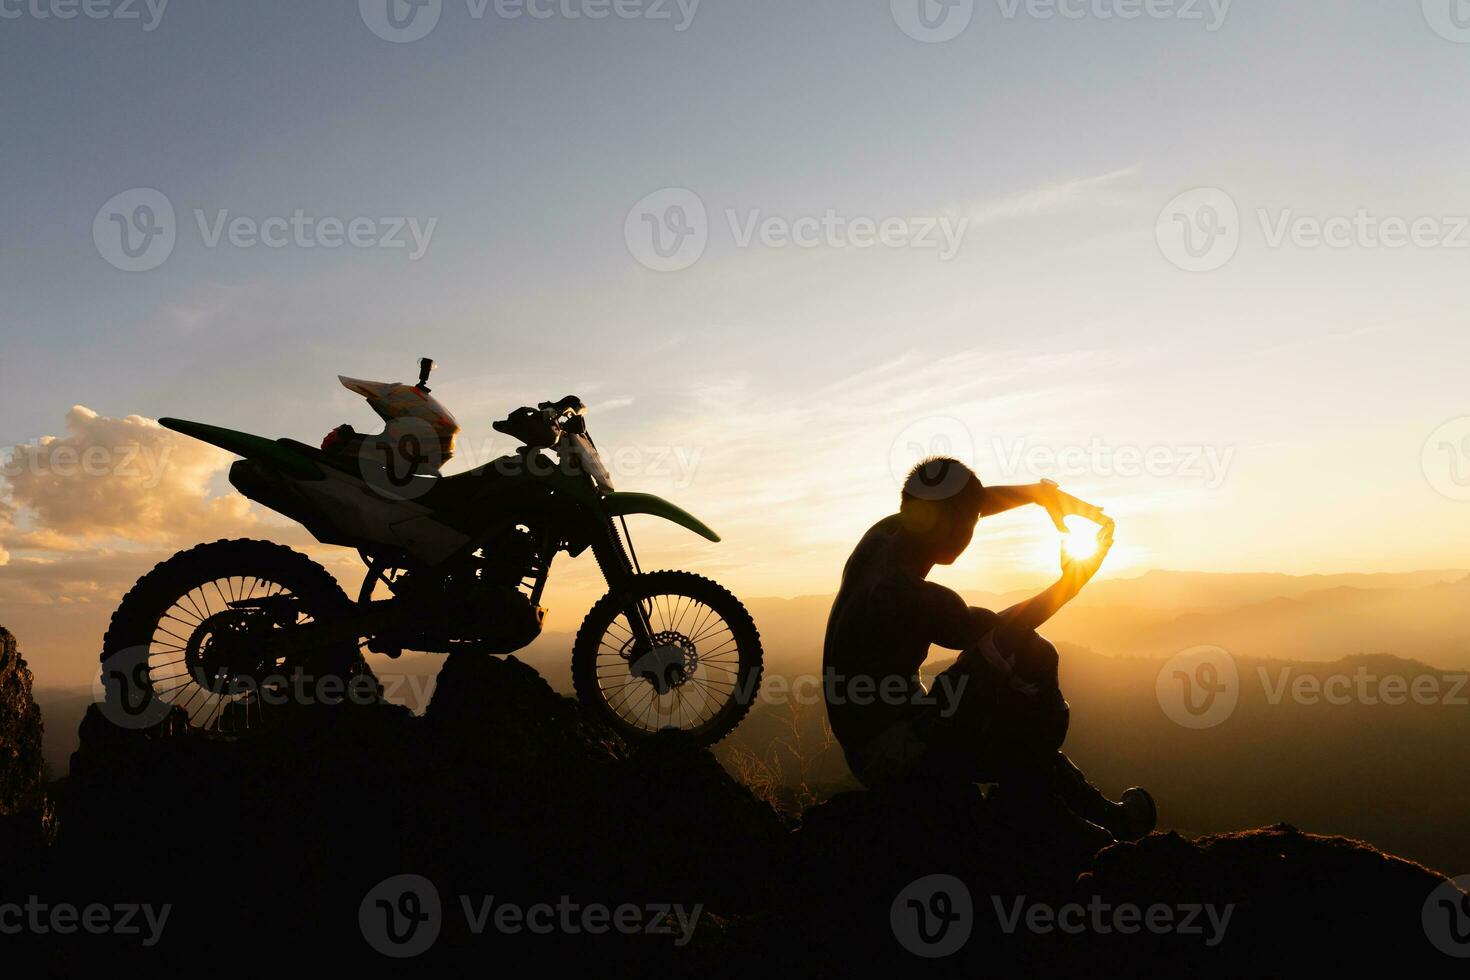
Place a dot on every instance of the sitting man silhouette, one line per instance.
(997, 715)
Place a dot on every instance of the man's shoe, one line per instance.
(1139, 814)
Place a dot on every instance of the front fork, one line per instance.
(619, 571)
(661, 666)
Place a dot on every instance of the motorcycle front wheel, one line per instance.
(701, 675)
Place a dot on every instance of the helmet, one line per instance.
(403, 405)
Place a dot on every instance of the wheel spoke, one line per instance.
(699, 689)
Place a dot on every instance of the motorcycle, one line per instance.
(453, 564)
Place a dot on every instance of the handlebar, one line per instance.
(542, 426)
(570, 404)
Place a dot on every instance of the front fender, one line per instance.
(623, 504)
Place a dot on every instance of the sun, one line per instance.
(1080, 544)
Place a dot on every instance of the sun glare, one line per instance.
(1080, 544)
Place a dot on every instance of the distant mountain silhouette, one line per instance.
(268, 849)
(1295, 617)
(1419, 621)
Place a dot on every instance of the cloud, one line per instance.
(6, 524)
(1097, 191)
(806, 467)
(107, 479)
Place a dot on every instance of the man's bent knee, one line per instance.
(1033, 656)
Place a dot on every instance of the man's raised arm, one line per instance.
(1029, 614)
(1058, 503)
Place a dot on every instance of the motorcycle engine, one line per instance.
(484, 605)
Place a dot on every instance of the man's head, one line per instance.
(942, 499)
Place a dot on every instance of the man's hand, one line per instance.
(1060, 505)
(1077, 572)
(1030, 613)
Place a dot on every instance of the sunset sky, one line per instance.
(1291, 410)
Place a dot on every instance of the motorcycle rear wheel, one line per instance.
(186, 636)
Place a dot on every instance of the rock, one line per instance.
(502, 788)
(503, 709)
(505, 792)
(1231, 904)
(21, 768)
(27, 813)
(1310, 899)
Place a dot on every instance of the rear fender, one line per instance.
(292, 461)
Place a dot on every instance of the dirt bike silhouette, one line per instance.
(455, 563)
